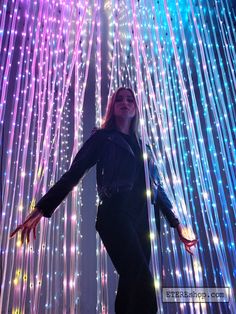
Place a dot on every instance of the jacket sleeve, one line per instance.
(86, 157)
(165, 205)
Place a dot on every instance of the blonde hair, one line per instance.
(109, 119)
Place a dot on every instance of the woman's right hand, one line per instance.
(30, 223)
(187, 242)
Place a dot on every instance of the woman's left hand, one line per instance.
(187, 243)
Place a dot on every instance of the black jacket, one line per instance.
(115, 172)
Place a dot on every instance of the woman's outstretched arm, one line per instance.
(165, 205)
(83, 161)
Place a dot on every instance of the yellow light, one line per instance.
(197, 266)
(32, 204)
(152, 235)
(15, 281)
(157, 283)
(145, 156)
(18, 243)
(18, 272)
(148, 193)
(17, 276)
(40, 172)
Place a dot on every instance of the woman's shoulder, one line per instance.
(101, 131)
(100, 134)
(96, 130)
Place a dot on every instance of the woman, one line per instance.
(122, 217)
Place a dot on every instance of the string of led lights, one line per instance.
(179, 58)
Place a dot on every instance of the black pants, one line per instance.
(126, 239)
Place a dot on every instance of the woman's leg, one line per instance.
(124, 247)
(145, 297)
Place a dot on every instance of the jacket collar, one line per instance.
(118, 139)
(115, 136)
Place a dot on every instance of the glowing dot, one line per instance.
(142, 122)
(15, 281)
(73, 217)
(18, 272)
(157, 283)
(148, 193)
(205, 195)
(145, 156)
(71, 283)
(18, 243)
(177, 272)
(40, 171)
(152, 235)
(197, 266)
(216, 240)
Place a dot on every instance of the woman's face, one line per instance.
(124, 106)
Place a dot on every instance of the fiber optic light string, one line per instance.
(181, 61)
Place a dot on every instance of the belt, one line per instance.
(108, 192)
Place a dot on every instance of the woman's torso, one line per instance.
(132, 202)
